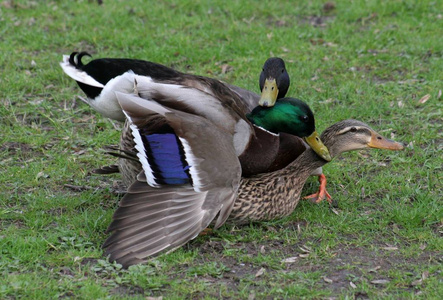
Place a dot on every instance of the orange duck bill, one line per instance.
(380, 142)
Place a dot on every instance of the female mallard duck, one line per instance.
(192, 176)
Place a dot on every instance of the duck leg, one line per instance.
(322, 193)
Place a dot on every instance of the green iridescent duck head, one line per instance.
(292, 116)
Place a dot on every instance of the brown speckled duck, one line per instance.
(191, 176)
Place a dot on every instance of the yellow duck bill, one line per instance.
(317, 145)
(269, 93)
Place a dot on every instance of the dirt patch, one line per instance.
(346, 270)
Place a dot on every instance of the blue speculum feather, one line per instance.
(166, 158)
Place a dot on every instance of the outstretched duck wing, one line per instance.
(167, 206)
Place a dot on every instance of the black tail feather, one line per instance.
(121, 153)
(75, 58)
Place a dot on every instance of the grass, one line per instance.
(369, 60)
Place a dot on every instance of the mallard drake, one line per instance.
(274, 84)
(101, 78)
(274, 81)
(192, 176)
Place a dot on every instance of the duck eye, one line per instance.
(304, 118)
(353, 129)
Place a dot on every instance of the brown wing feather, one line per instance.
(151, 221)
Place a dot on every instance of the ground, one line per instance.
(376, 61)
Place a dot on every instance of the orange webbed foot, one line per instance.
(322, 192)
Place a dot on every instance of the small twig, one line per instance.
(77, 188)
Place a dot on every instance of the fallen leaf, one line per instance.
(80, 152)
(352, 285)
(329, 100)
(380, 281)
(439, 94)
(36, 102)
(400, 104)
(305, 249)
(284, 49)
(326, 279)
(260, 272)
(41, 174)
(289, 260)
(330, 44)
(424, 98)
(424, 276)
(226, 68)
(423, 246)
(374, 269)
(262, 250)
(390, 248)
(417, 282)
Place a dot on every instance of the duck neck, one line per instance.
(283, 117)
(308, 161)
